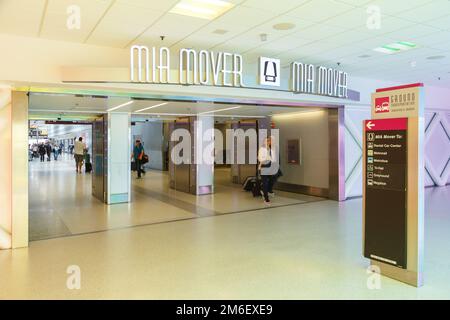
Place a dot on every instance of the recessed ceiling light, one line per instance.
(120, 106)
(396, 47)
(151, 107)
(220, 31)
(386, 50)
(284, 26)
(435, 57)
(219, 110)
(204, 9)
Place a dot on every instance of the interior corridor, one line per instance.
(61, 204)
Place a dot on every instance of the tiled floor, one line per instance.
(310, 250)
(61, 203)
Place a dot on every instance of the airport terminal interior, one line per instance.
(76, 210)
(175, 111)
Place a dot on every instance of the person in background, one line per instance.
(35, 150)
(138, 154)
(48, 148)
(78, 150)
(55, 152)
(42, 151)
(265, 159)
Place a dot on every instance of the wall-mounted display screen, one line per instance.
(293, 151)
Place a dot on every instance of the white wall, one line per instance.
(311, 128)
(151, 134)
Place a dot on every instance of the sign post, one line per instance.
(393, 187)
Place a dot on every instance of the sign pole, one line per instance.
(393, 187)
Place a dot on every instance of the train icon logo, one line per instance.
(269, 71)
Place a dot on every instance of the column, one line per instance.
(5, 168)
(119, 163)
(204, 148)
(13, 169)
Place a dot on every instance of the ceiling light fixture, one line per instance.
(164, 114)
(396, 47)
(204, 9)
(284, 26)
(219, 110)
(435, 57)
(120, 106)
(155, 106)
(220, 31)
(290, 115)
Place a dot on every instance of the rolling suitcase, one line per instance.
(88, 167)
(256, 190)
(248, 183)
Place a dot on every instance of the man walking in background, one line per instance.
(138, 154)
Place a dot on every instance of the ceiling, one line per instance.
(67, 106)
(325, 32)
(59, 130)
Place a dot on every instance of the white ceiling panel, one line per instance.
(320, 10)
(392, 7)
(153, 5)
(349, 37)
(434, 40)
(432, 10)
(388, 25)
(283, 44)
(268, 27)
(412, 32)
(356, 18)
(21, 17)
(173, 26)
(440, 23)
(245, 16)
(280, 7)
(122, 24)
(318, 31)
(55, 24)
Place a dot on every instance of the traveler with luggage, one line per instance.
(79, 149)
(87, 161)
(265, 159)
(138, 157)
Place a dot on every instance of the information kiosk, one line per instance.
(393, 187)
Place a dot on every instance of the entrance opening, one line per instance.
(57, 193)
(64, 203)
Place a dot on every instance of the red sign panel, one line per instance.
(386, 124)
(382, 104)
